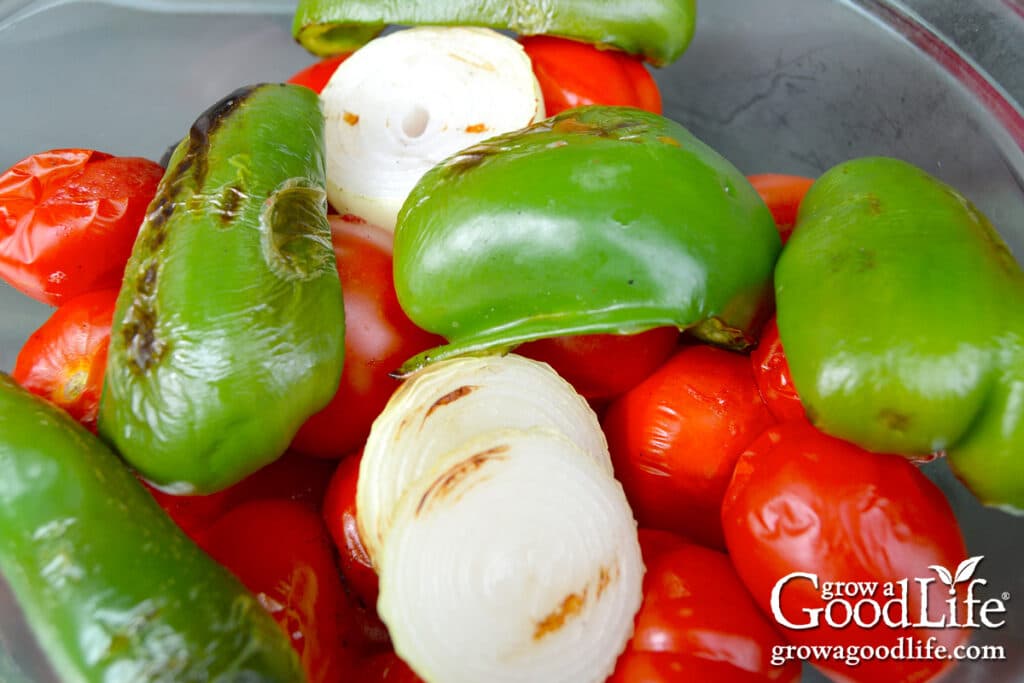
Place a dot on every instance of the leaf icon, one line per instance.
(943, 573)
(966, 569)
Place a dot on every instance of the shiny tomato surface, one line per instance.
(771, 371)
(804, 502)
(68, 220)
(675, 438)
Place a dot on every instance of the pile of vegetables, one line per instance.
(453, 360)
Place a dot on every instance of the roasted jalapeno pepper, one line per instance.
(599, 220)
(902, 314)
(112, 589)
(229, 327)
(660, 30)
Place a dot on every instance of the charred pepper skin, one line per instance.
(598, 220)
(112, 589)
(229, 328)
(902, 314)
(659, 30)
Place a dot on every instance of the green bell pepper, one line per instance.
(660, 30)
(229, 329)
(113, 591)
(902, 314)
(599, 220)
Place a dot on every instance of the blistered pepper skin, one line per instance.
(902, 314)
(229, 327)
(112, 589)
(599, 220)
(659, 30)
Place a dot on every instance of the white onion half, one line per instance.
(450, 402)
(404, 102)
(515, 559)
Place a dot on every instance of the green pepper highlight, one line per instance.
(659, 30)
(229, 328)
(902, 314)
(112, 589)
(599, 220)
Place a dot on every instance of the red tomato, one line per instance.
(771, 371)
(340, 515)
(68, 220)
(574, 74)
(378, 339)
(281, 551)
(782, 194)
(65, 359)
(386, 668)
(675, 438)
(697, 621)
(604, 365)
(315, 76)
(802, 501)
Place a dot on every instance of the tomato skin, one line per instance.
(802, 501)
(68, 220)
(291, 477)
(603, 366)
(386, 668)
(771, 371)
(574, 74)
(281, 551)
(379, 337)
(697, 622)
(782, 194)
(675, 438)
(64, 360)
(340, 514)
(316, 75)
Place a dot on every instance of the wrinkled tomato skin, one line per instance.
(575, 74)
(675, 438)
(68, 221)
(802, 501)
(697, 622)
(316, 75)
(774, 381)
(281, 551)
(340, 514)
(379, 337)
(602, 366)
(291, 477)
(783, 195)
(65, 359)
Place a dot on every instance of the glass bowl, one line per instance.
(790, 86)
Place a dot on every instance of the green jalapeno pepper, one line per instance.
(660, 30)
(229, 328)
(902, 314)
(599, 220)
(112, 589)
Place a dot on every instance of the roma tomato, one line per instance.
(340, 515)
(378, 339)
(771, 371)
(604, 365)
(291, 477)
(68, 220)
(574, 74)
(697, 621)
(802, 501)
(64, 360)
(281, 551)
(675, 438)
(315, 76)
(782, 194)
